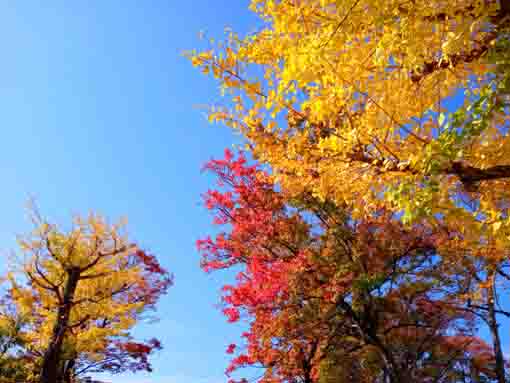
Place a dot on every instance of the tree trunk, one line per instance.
(51, 358)
(496, 340)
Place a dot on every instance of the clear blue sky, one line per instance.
(97, 111)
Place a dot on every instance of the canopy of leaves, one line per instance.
(80, 293)
(353, 101)
(329, 298)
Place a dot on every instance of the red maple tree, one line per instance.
(330, 298)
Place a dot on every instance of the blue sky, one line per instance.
(98, 112)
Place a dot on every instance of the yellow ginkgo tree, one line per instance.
(393, 104)
(81, 292)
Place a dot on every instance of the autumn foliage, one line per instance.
(394, 104)
(374, 246)
(330, 298)
(75, 297)
(366, 216)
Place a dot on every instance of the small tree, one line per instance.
(83, 290)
